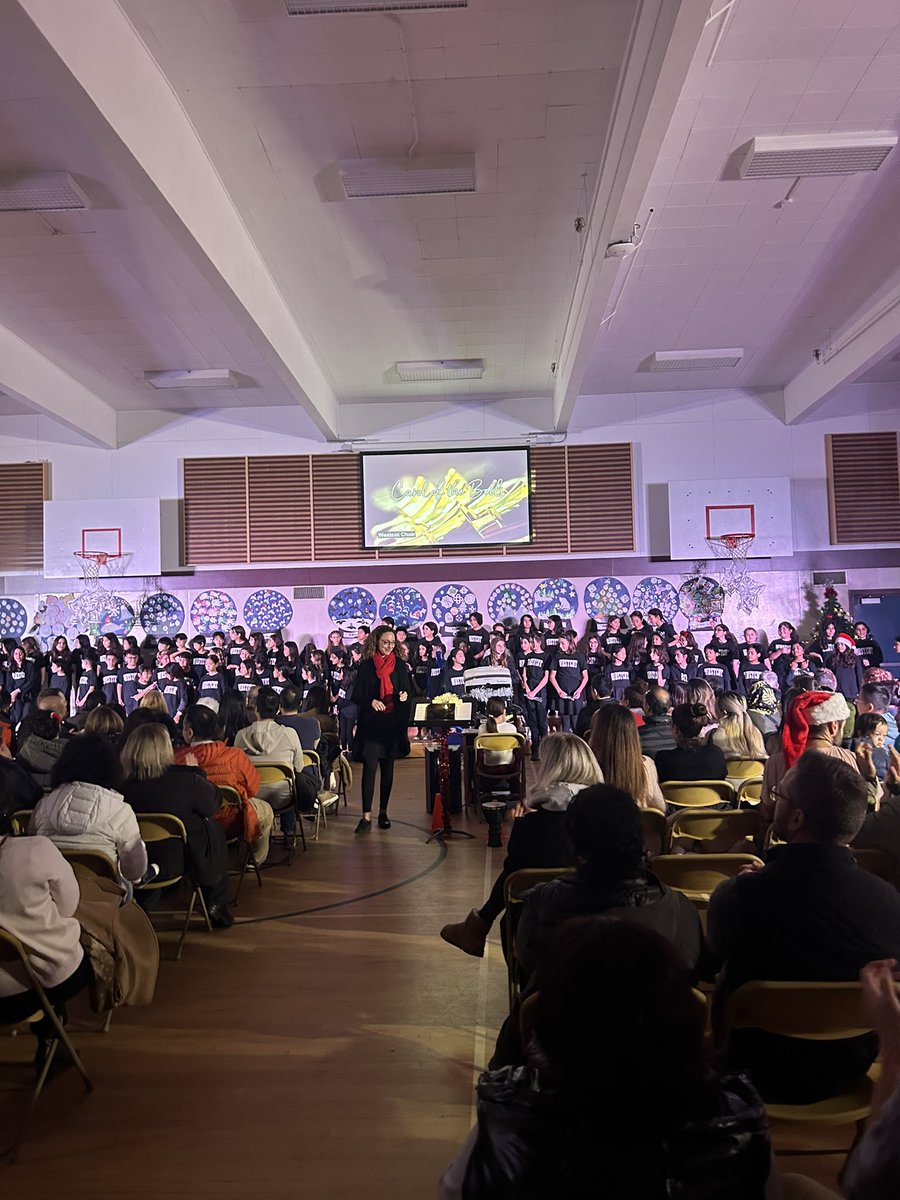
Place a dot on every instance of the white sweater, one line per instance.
(84, 816)
(269, 740)
(38, 898)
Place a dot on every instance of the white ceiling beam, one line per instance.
(664, 38)
(29, 376)
(872, 337)
(104, 52)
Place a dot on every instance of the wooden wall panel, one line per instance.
(280, 508)
(601, 498)
(23, 490)
(863, 487)
(215, 511)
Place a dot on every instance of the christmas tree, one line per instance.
(833, 611)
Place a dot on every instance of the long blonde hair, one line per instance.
(737, 736)
(147, 752)
(617, 748)
(155, 701)
(565, 758)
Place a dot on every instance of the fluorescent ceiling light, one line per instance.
(47, 191)
(217, 377)
(366, 178)
(815, 154)
(434, 369)
(695, 360)
(317, 8)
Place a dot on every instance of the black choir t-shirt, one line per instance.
(535, 668)
(456, 681)
(212, 686)
(751, 673)
(619, 678)
(128, 680)
(476, 639)
(109, 685)
(716, 675)
(569, 670)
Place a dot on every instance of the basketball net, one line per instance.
(90, 606)
(736, 579)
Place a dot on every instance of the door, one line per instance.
(881, 612)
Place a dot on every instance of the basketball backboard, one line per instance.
(709, 509)
(126, 530)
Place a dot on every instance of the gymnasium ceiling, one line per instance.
(199, 130)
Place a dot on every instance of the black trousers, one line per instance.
(376, 757)
(23, 1004)
(536, 720)
(568, 712)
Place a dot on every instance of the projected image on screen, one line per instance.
(446, 498)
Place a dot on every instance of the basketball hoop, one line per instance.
(736, 580)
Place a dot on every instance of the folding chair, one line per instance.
(282, 772)
(655, 831)
(337, 772)
(749, 792)
(13, 953)
(325, 798)
(87, 863)
(20, 820)
(878, 862)
(746, 768)
(698, 875)
(717, 830)
(514, 888)
(512, 774)
(810, 1012)
(700, 793)
(232, 798)
(159, 827)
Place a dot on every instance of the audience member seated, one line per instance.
(699, 691)
(154, 784)
(86, 811)
(693, 756)
(616, 1097)
(617, 748)
(762, 707)
(22, 787)
(306, 728)
(267, 741)
(604, 827)
(315, 705)
(881, 828)
(813, 721)
(876, 698)
(7, 726)
(497, 721)
(537, 839)
(736, 735)
(40, 749)
(51, 700)
(656, 732)
(633, 700)
(809, 914)
(38, 898)
(106, 722)
(226, 766)
(600, 694)
(155, 702)
(233, 715)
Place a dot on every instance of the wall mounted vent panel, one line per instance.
(314, 591)
(815, 154)
(50, 191)
(23, 490)
(694, 360)
(318, 8)
(369, 178)
(435, 369)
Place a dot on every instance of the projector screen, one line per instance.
(446, 498)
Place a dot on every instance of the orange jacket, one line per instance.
(227, 767)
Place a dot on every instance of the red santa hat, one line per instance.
(846, 639)
(805, 710)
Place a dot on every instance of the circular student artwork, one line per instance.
(654, 592)
(54, 618)
(702, 598)
(406, 605)
(509, 600)
(268, 610)
(453, 603)
(13, 618)
(606, 597)
(117, 616)
(162, 614)
(556, 596)
(352, 607)
(212, 610)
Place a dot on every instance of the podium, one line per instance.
(443, 773)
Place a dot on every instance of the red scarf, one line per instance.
(384, 666)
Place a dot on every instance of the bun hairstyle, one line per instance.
(689, 720)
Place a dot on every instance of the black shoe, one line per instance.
(220, 917)
(383, 820)
(364, 826)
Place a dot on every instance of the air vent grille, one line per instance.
(695, 360)
(216, 377)
(370, 178)
(318, 8)
(819, 154)
(52, 191)
(434, 369)
(312, 592)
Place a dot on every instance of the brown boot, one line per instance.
(469, 935)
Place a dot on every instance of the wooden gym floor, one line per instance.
(326, 1046)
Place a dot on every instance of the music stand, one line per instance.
(442, 727)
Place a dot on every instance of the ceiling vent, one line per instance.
(434, 369)
(694, 360)
(814, 154)
(368, 178)
(217, 377)
(318, 8)
(51, 191)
